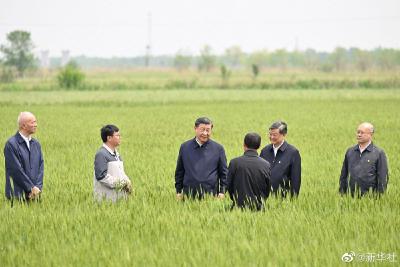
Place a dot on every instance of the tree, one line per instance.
(18, 51)
(339, 58)
(361, 59)
(234, 56)
(182, 60)
(255, 70)
(207, 59)
(225, 73)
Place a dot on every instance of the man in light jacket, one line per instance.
(110, 180)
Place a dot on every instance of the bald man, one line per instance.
(24, 161)
(365, 164)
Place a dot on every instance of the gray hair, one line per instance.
(280, 125)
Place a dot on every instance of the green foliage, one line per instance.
(70, 76)
(233, 56)
(207, 60)
(225, 74)
(182, 61)
(255, 70)
(7, 74)
(18, 51)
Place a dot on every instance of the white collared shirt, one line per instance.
(198, 142)
(276, 148)
(26, 139)
(362, 150)
(114, 153)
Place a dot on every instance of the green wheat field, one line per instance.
(68, 228)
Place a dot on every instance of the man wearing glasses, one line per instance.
(110, 180)
(366, 164)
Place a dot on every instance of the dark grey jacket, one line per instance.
(249, 180)
(367, 170)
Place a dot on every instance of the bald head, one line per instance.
(27, 123)
(367, 126)
(364, 133)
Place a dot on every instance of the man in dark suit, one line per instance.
(249, 176)
(285, 161)
(365, 164)
(24, 161)
(201, 165)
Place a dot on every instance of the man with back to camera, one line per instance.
(285, 161)
(110, 180)
(24, 162)
(366, 164)
(249, 176)
(201, 165)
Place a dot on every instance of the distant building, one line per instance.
(44, 59)
(65, 58)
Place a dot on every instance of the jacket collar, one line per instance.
(282, 147)
(20, 139)
(370, 147)
(196, 145)
(251, 153)
(110, 151)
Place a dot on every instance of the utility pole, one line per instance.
(148, 46)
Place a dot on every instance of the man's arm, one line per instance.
(382, 172)
(343, 181)
(295, 173)
(268, 180)
(14, 168)
(222, 172)
(231, 174)
(100, 171)
(41, 169)
(179, 172)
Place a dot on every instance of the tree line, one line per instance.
(16, 55)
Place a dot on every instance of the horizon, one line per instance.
(109, 29)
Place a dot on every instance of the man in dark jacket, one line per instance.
(285, 161)
(201, 165)
(24, 161)
(249, 176)
(366, 164)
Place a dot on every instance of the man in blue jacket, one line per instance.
(201, 165)
(24, 163)
(285, 162)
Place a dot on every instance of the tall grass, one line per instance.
(137, 79)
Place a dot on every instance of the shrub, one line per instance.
(70, 76)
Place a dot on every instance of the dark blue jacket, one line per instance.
(285, 168)
(201, 169)
(25, 166)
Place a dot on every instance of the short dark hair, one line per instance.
(108, 130)
(252, 140)
(203, 120)
(280, 125)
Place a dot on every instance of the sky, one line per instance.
(120, 28)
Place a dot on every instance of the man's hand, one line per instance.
(221, 196)
(35, 192)
(179, 196)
